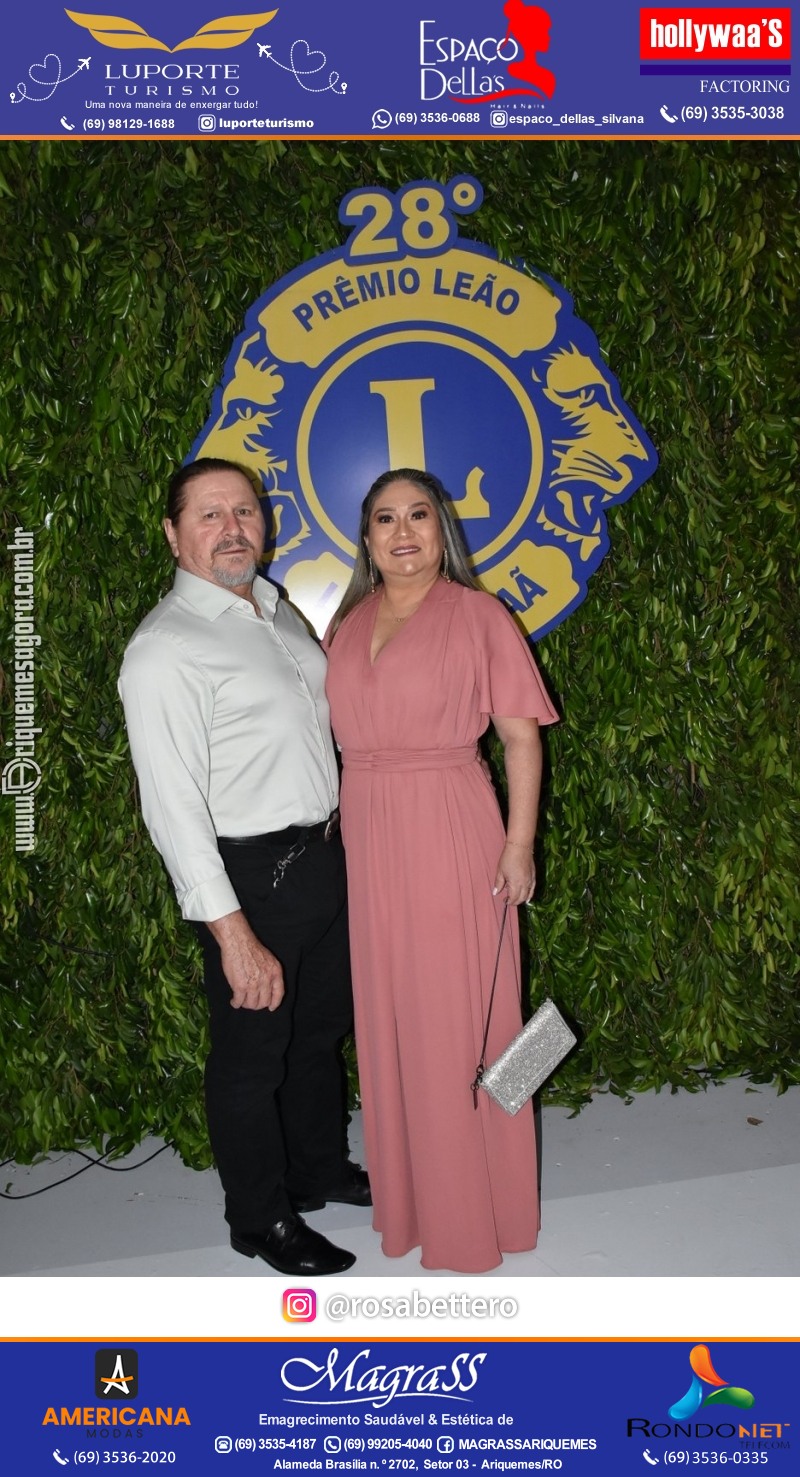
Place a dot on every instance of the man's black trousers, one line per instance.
(275, 1081)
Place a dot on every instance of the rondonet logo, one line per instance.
(699, 1394)
(707, 1392)
(725, 34)
(412, 347)
(360, 1382)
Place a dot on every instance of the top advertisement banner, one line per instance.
(446, 69)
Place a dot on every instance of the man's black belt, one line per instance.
(291, 836)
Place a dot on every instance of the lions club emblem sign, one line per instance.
(412, 347)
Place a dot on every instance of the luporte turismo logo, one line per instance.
(222, 33)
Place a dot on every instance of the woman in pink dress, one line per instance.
(420, 661)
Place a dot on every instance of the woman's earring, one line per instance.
(371, 568)
(446, 567)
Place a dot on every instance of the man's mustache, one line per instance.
(229, 544)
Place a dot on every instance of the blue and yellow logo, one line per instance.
(410, 346)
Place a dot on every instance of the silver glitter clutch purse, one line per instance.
(529, 1059)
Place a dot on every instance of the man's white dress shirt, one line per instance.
(229, 729)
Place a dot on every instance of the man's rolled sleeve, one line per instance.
(169, 704)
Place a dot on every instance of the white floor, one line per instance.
(690, 1184)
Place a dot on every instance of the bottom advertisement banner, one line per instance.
(382, 1406)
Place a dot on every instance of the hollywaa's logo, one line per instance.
(410, 347)
(217, 35)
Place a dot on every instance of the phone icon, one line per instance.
(653, 1460)
(69, 126)
(59, 1458)
(665, 113)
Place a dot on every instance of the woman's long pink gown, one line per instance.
(423, 836)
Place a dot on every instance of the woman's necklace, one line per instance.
(398, 619)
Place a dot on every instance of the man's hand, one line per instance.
(253, 973)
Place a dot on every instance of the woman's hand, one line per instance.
(522, 755)
(516, 873)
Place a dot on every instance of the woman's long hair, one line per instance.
(360, 584)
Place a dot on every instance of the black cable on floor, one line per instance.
(92, 1164)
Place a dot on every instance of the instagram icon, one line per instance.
(300, 1305)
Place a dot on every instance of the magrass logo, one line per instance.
(358, 1382)
(704, 1375)
(116, 1374)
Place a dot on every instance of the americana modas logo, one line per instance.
(116, 1385)
(116, 1374)
(410, 346)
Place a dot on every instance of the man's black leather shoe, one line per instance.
(352, 1188)
(292, 1247)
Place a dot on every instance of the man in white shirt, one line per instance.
(225, 705)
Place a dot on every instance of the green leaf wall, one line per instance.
(669, 898)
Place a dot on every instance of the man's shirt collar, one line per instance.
(211, 600)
